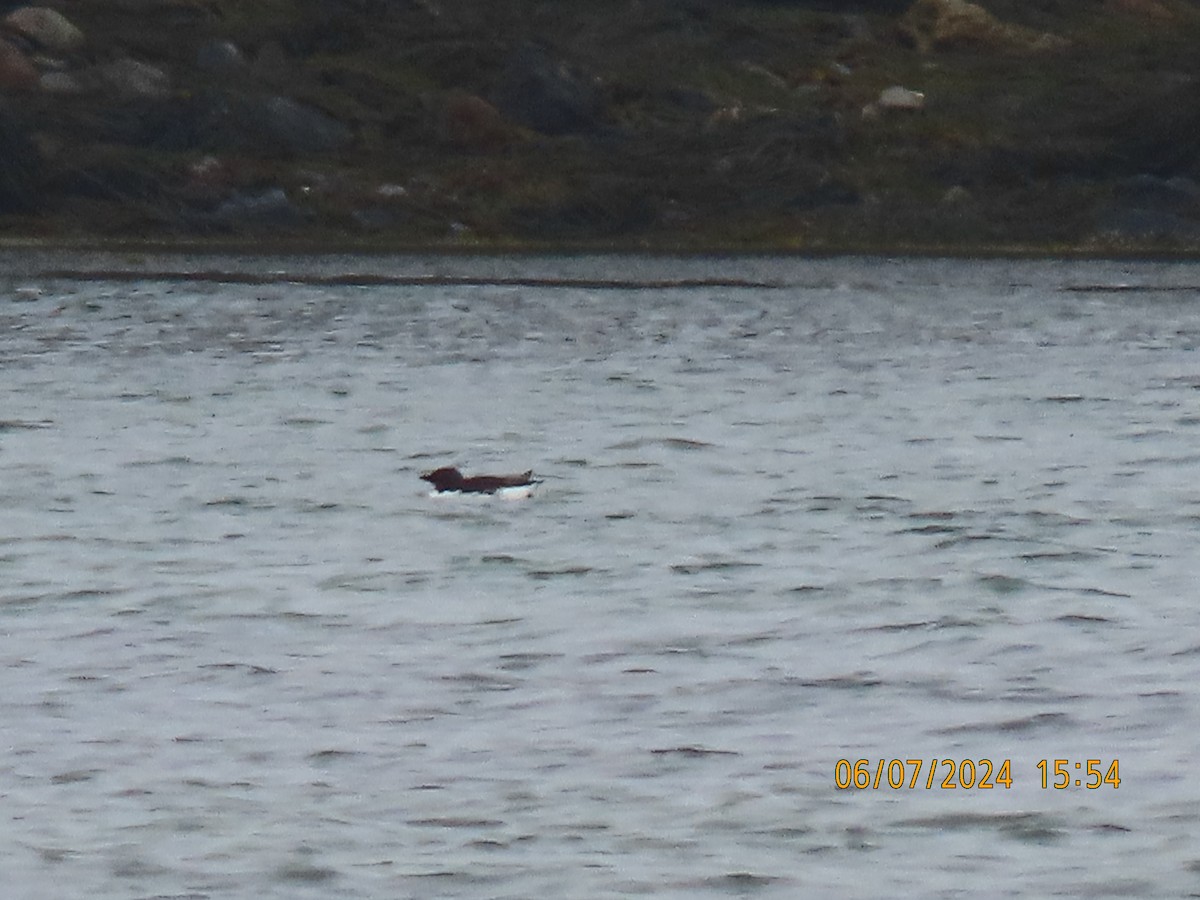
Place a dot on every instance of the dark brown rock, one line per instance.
(17, 72)
(471, 123)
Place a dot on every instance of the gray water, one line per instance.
(886, 510)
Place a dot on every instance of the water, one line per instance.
(887, 510)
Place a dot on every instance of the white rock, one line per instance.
(130, 78)
(60, 83)
(45, 27)
(897, 97)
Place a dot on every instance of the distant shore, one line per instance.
(965, 128)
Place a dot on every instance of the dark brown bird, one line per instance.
(449, 480)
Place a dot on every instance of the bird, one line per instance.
(449, 480)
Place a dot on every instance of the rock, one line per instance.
(1179, 195)
(20, 168)
(1148, 225)
(60, 83)
(1147, 10)
(221, 58)
(17, 72)
(299, 128)
(824, 194)
(945, 24)
(723, 117)
(45, 27)
(220, 122)
(897, 97)
(543, 93)
(1150, 208)
(471, 123)
(107, 173)
(894, 98)
(760, 71)
(129, 79)
(957, 196)
(376, 218)
(207, 180)
(269, 208)
(691, 100)
(607, 207)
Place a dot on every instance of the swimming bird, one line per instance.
(449, 480)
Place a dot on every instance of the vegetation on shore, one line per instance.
(669, 124)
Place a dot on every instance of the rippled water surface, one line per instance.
(878, 510)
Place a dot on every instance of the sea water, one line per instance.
(944, 513)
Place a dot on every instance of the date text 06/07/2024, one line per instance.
(970, 774)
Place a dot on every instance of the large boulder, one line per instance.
(544, 93)
(272, 125)
(1148, 226)
(222, 58)
(270, 208)
(946, 24)
(296, 127)
(1151, 208)
(1179, 194)
(48, 29)
(218, 122)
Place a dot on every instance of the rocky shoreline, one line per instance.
(878, 125)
